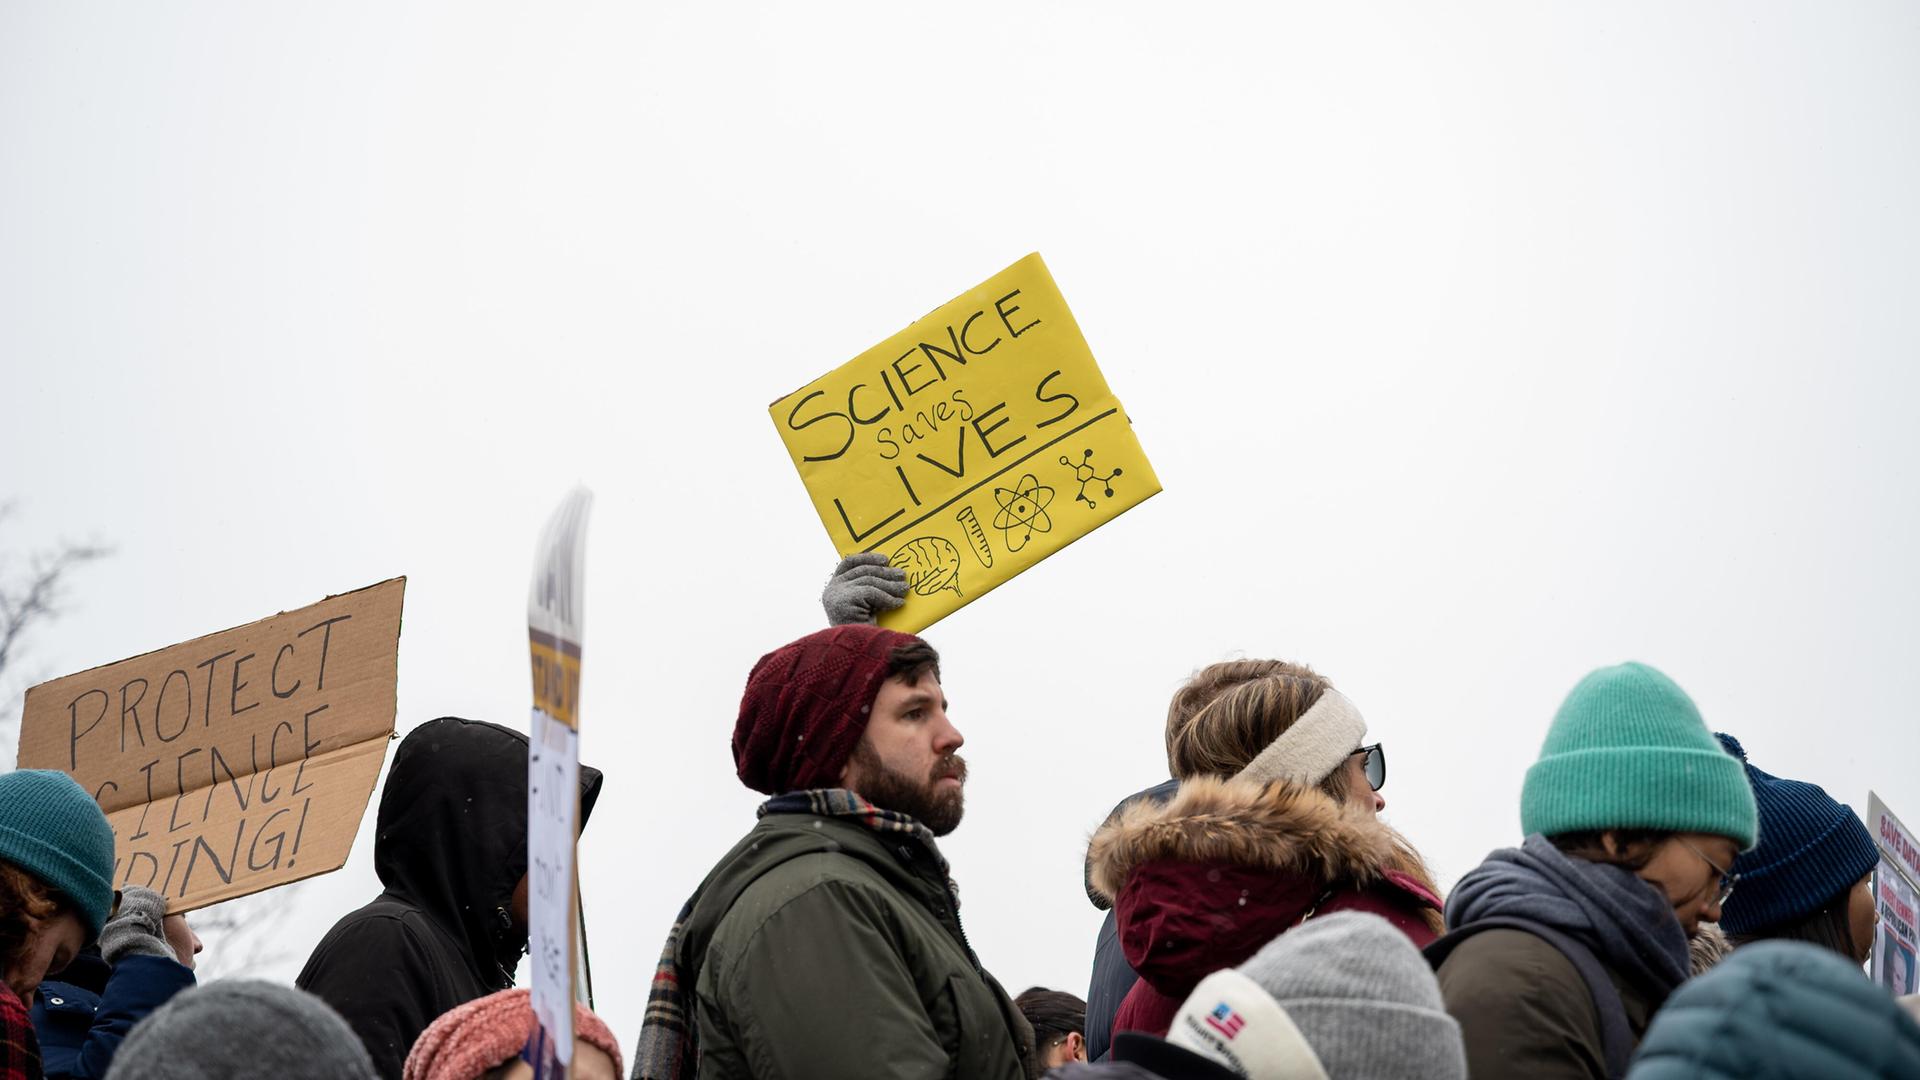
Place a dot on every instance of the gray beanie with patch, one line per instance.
(238, 1028)
(1354, 999)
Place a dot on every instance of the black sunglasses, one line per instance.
(1376, 765)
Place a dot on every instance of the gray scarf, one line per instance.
(1627, 922)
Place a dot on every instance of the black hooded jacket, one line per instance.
(450, 848)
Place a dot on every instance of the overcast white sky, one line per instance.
(1476, 345)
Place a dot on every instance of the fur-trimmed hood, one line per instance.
(1707, 947)
(1202, 881)
(1279, 826)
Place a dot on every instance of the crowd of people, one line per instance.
(1673, 910)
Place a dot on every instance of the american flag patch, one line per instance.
(1225, 1020)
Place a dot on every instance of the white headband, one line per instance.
(1314, 746)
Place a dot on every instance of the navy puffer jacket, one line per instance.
(1780, 1009)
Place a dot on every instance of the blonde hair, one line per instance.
(1228, 712)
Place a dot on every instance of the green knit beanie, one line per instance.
(51, 828)
(1628, 750)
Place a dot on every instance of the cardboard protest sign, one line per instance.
(1896, 941)
(237, 761)
(555, 615)
(969, 446)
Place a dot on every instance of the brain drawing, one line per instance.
(932, 563)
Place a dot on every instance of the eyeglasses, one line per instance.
(1728, 879)
(1376, 765)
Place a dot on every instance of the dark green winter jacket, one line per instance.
(1525, 1012)
(820, 948)
(1780, 1009)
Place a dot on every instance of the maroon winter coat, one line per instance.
(1203, 881)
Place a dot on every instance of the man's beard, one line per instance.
(921, 800)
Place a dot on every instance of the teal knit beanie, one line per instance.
(1628, 750)
(51, 828)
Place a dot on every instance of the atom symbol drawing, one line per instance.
(1023, 508)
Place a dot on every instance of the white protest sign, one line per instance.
(554, 622)
(1894, 838)
(1894, 944)
(1896, 940)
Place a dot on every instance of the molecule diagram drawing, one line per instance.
(1084, 473)
(1023, 511)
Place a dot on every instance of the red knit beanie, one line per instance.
(807, 703)
(471, 1039)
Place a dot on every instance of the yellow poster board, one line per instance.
(969, 446)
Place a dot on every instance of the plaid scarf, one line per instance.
(668, 1048)
(19, 1049)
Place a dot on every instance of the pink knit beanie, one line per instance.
(473, 1038)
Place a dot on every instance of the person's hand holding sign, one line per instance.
(142, 926)
(863, 586)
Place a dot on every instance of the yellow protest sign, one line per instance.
(969, 446)
(236, 761)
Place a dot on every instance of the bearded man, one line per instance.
(827, 943)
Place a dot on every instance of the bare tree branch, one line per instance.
(25, 605)
(29, 602)
(244, 936)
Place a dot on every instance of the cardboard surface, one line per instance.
(236, 761)
(969, 446)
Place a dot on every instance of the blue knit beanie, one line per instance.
(1812, 849)
(1628, 750)
(51, 828)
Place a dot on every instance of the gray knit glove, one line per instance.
(135, 929)
(862, 587)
